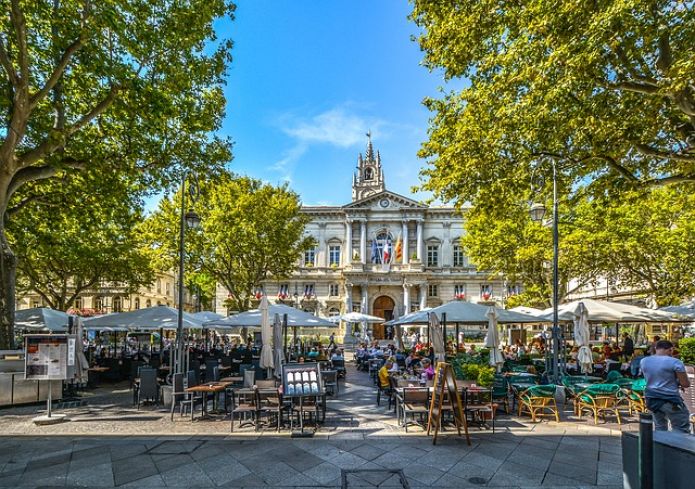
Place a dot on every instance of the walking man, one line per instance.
(331, 342)
(665, 375)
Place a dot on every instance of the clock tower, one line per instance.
(369, 177)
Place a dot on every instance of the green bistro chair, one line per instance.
(613, 376)
(539, 401)
(600, 399)
(518, 386)
(500, 391)
(635, 397)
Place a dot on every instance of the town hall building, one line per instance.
(383, 254)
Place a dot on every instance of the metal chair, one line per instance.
(149, 388)
(330, 381)
(270, 404)
(245, 403)
(339, 366)
(500, 391)
(180, 397)
(249, 378)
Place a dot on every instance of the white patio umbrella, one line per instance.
(150, 318)
(492, 339)
(266, 360)
(252, 318)
(41, 319)
(358, 317)
(582, 337)
(279, 354)
(204, 316)
(686, 310)
(437, 338)
(611, 312)
(531, 311)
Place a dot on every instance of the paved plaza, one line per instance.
(108, 443)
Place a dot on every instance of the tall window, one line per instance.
(117, 304)
(382, 248)
(432, 255)
(309, 290)
(78, 303)
(459, 257)
(159, 285)
(168, 288)
(513, 290)
(333, 290)
(137, 303)
(310, 257)
(368, 174)
(485, 291)
(432, 290)
(284, 291)
(334, 255)
(459, 291)
(148, 303)
(99, 303)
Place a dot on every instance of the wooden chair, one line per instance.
(539, 401)
(245, 403)
(415, 401)
(600, 399)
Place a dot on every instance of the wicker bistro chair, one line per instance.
(539, 401)
(415, 401)
(599, 399)
(517, 388)
(570, 382)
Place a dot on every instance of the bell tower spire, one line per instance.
(369, 177)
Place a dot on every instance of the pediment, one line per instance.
(378, 202)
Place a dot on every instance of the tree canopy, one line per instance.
(250, 231)
(606, 87)
(129, 87)
(76, 232)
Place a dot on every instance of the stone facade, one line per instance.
(383, 254)
(107, 297)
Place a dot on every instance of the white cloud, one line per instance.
(337, 127)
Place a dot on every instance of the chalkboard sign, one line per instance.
(445, 386)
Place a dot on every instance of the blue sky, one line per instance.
(309, 78)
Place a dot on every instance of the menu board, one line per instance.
(46, 357)
(301, 380)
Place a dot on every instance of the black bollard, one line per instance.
(646, 451)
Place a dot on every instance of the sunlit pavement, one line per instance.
(110, 444)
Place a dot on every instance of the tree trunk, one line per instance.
(8, 273)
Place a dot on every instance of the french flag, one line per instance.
(387, 252)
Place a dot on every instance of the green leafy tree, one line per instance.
(607, 87)
(76, 232)
(250, 231)
(129, 87)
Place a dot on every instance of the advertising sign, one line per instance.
(46, 357)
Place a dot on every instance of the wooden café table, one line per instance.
(213, 388)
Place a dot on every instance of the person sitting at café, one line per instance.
(313, 354)
(322, 356)
(337, 354)
(413, 360)
(635, 360)
(427, 369)
(394, 365)
(384, 374)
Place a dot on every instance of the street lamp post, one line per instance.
(537, 212)
(192, 220)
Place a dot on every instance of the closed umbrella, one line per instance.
(279, 356)
(437, 338)
(581, 338)
(492, 339)
(266, 360)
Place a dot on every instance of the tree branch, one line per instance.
(57, 139)
(7, 64)
(57, 73)
(20, 26)
(643, 87)
(648, 150)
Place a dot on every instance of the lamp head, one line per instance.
(537, 212)
(192, 219)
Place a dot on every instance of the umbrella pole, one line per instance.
(161, 341)
(444, 331)
(457, 337)
(284, 335)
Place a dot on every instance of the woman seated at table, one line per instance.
(384, 374)
(635, 360)
(413, 360)
(427, 369)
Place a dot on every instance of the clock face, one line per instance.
(384, 203)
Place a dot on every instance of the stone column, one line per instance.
(405, 243)
(348, 339)
(446, 258)
(348, 243)
(363, 240)
(419, 250)
(365, 299)
(423, 296)
(406, 298)
(322, 256)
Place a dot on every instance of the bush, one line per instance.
(486, 376)
(686, 347)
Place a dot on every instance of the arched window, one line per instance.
(368, 174)
(137, 303)
(78, 303)
(99, 303)
(117, 304)
(148, 303)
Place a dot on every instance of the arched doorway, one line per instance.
(383, 307)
